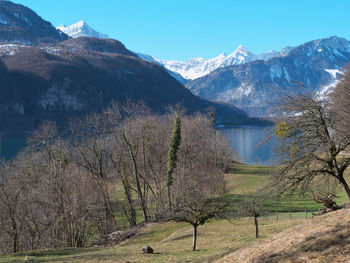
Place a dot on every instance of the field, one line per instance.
(172, 241)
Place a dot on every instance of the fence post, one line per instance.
(276, 215)
(305, 214)
(290, 215)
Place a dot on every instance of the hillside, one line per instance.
(218, 238)
(46, 76)
(323, 239)
(19, 24)
(320, 239)
(83, 75)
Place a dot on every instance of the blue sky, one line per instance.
(181, 29)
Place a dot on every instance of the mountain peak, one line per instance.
(81, 29)
(241, 48)
(80, 23)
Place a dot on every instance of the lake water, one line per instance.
(10, 146)
(246, 141)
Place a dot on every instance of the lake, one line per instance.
(245, 141)
(11, 145)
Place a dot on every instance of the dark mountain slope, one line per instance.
(95, 44)
(45, 75)
(20, 24)
(53, 83)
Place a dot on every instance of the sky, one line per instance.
(182, 29)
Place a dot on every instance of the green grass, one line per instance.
(172, 241)
(246, 180)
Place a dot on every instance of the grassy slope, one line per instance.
(247, 179)
(172, 241)
(322, 239)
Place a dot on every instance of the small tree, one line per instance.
(198, 200)
(197, 211)
(252, 207)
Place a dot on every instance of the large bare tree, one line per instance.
(310, 143)
(340, 100)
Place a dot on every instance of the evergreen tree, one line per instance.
(172, 154)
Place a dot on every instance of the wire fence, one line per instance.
(277, 215)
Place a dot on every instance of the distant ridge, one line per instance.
(254, 86)
(199, 67)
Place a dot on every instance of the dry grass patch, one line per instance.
(322, 239)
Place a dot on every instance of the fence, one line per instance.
(277, 214)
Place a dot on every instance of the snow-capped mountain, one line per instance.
(81, 29)
(198, 67)
(255, 86)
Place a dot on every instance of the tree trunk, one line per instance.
(132, 220)
(111, 223)
(137, 181)
(256, 227)
(345, 186)
(15, 237)
(194, 237)
(169, 198)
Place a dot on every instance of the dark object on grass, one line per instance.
(147, 250)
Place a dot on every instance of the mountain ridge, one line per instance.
(198, 67)
(70, 77)
(254, 86)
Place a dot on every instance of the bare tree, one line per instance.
(199, 198)
(118, 157)
(91, 153)
(11, 194)
(197, 211)
(340, 99)
(252, 206)
(309, 143)
(132, 133)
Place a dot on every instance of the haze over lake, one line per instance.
(246, 141)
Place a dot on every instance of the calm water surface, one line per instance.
(246, 141)
(10, 146)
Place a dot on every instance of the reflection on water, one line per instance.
(246, 141)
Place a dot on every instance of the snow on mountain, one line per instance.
(274, 54)
(199, 67)
(257, 85)
(81, 29)
(174, 74)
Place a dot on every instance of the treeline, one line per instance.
(105, 172)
